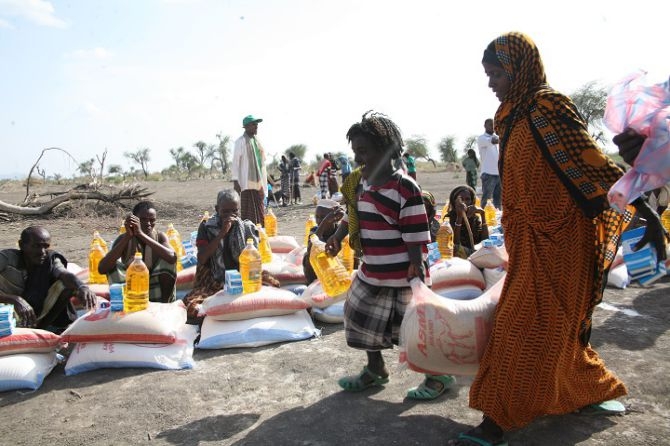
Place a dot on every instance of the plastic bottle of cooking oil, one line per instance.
(251, 268)
(264, 245)
(445, 240)
(346, 255)
(665, 219)
(490, 214)
(271, 223)
(103, 244)
(334, 277)
(174, 238)
(309, 224)
(95, 254)
(136, 297)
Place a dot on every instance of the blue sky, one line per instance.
(90, 75)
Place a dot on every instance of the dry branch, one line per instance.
(133, 192)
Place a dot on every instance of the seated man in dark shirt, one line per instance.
(35, 280)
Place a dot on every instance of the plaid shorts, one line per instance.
(372, 315)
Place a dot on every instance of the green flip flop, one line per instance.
(611, 407)
(479, 441)
(364, 380)
(424, 393)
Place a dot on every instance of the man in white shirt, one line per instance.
(249, 172)
(488, 152)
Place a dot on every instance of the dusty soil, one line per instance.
(287, 394)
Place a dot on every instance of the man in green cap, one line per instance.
(249, 173)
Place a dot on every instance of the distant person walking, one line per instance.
(471, 164)
(488, 152)
(324, 175)
(295, 178)
(285, 171)
(345, 167)
(250, 177)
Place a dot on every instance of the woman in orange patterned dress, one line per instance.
(560, 235)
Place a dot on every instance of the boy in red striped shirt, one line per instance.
(386, 218)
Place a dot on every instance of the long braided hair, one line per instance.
(382, 132)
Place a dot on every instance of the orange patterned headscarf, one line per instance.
(561, 134)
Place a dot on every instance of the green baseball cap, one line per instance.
(250, 120)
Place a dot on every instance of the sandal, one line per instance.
(611, 407)
(471, 438)
(364, 380)
(424, 392)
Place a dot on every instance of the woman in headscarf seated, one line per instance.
(220, 241)
(467, 221)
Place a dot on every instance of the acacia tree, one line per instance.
(298, 150)
(470, 143)
(86, 168)
(418, 148)
(447, 149)
(591, 100)
(221, 154)
(116, 169)
(141, 157)
(202, 155)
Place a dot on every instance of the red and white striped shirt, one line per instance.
(391, 217)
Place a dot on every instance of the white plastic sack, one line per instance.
(25, 370)
(618, 277)
(269, 301)
(282, 244)
(315, 297)
(489, 257)
(443, 336)
(493, 276)
(29, 340)
(455, 272)
(98, 355)
(256, 332)
(333, 314)
(285, 272)
(158, 324)
(463, 292)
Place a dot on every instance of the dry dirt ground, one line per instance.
(287, 394)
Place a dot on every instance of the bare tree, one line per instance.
(36, 166)
(101, 162)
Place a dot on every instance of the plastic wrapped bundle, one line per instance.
(645, 109)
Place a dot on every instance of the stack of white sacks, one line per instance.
(264, 317)
(157, 337)
(27, 355)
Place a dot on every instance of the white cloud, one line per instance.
(5, 24)
(39, 12)
(92, 53)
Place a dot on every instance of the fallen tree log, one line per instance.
(129, 193)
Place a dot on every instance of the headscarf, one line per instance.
(561, 134)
